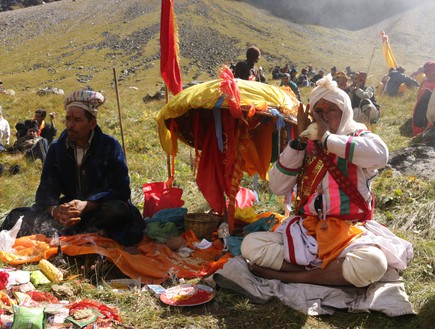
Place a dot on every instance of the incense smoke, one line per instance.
(345, 14)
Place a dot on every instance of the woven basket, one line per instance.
(202, 224)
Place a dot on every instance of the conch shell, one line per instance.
(310, 132)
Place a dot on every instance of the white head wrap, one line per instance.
(85, 99)
(328, 90)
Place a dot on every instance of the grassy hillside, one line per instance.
(59, 43)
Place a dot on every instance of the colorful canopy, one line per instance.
(204, 96)
(236, 124)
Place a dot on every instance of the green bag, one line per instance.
(161, 232)
(28, 317)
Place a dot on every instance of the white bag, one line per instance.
(7, 238)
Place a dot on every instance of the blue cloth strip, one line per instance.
(218, 122)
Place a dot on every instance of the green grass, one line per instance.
(399, 198)
(404, 203)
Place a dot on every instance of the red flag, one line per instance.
(169, 66)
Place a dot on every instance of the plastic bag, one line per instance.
(28, 317)
(159, 196)
(7, 238)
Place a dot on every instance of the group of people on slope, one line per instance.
(362, 97)
(33, 136)
(395, 83)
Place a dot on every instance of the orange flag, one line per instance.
(169, 66)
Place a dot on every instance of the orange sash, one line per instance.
(332, 238)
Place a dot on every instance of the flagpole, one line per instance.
(119, 113)
(168, 157)
(370, 62)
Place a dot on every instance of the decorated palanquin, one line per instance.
(235, 126)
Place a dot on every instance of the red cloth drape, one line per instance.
(169, 67)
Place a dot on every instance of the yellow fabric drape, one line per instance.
(388, 54)
(205, 95)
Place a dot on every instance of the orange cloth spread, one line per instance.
(151, 263)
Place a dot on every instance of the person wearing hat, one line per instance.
(84, 185)
(31, 145)
(332, 238)
(363, 99)
(286, 82)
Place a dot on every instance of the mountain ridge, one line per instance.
(66, 43)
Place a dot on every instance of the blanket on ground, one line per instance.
(149, 260)
(387, 295)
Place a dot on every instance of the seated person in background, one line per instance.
(317, 77)
(311, 71)
(342, 81)
(276, 73)
(420, 118)
(46, 130)
(333, 71)
(430, 113)
(5, 129)
(285, 69)
(21, 128)
(293, 73)
(84, 186)
(398, 82)
(365, 108)
(419, 75)
(303, 79)
(331, 239)
(286, 82)
(382, 86)
(31, 145)
(248, 70)
(350, 74)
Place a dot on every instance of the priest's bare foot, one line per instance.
(263, 272)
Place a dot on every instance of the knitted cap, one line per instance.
(86, 99)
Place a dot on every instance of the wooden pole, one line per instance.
(168, 157)
(370, 62)
(119, 112)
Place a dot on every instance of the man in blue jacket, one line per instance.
(84, 185)
(397, 78)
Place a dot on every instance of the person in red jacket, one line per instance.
(419, 118)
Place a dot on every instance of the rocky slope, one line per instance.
(86, 37)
